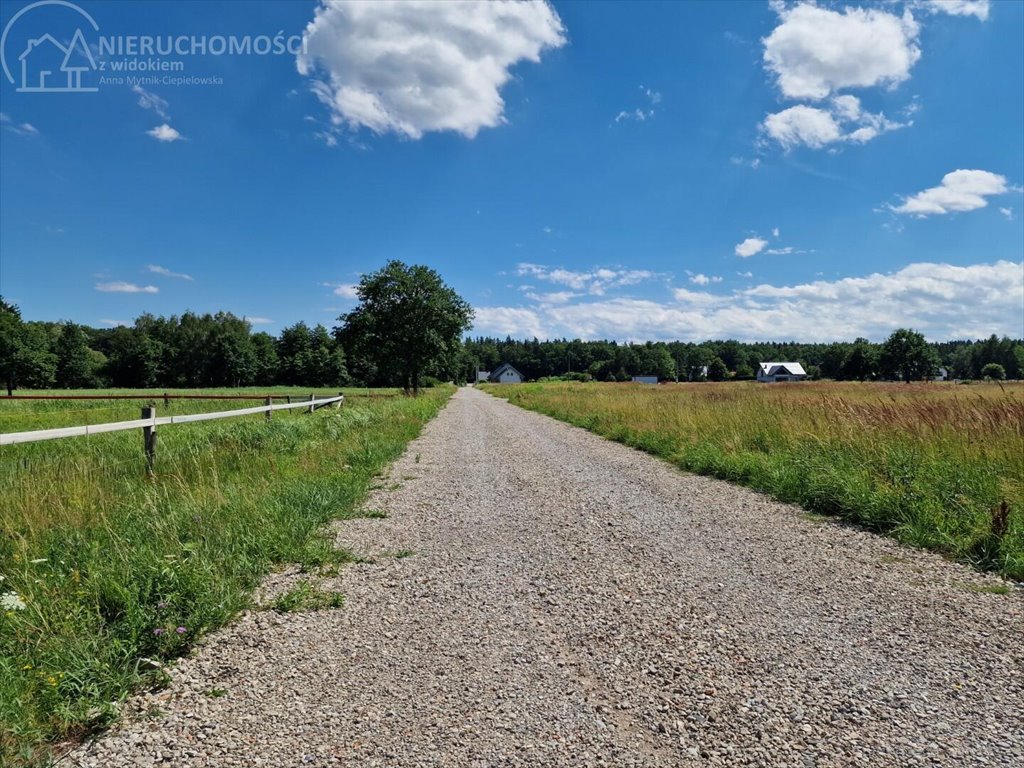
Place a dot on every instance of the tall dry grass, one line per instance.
(930, 464)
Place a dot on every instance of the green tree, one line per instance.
(35, 364)
(11, 330)
(861, 362)
(407, 320)
(907, 356)
(265, 353)
(993, 371)
(717, 370)
(74, 363)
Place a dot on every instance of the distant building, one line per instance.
(769, 372)
(482, 376)
(645, 379)
(941, 375)
(505, 374)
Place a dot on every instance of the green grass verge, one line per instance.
(931, 465)
(115, 569)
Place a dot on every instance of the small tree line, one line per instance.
(407, 331)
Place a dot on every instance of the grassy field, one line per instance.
(939, 466)
(105, 571)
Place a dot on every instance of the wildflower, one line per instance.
(181, 630)
(52, 681)
(161, 606)
(11, 601)
(158, 631)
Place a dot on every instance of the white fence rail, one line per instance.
(151, 422)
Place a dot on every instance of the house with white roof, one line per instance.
(505, 374)
(771, 372)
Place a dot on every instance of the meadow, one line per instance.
(105, 572)
(939, 466)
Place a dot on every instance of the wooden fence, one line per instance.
(150, 421)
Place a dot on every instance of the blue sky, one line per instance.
(598, 170)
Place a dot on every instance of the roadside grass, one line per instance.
(305, 596)
(937, 466)
(117, 571)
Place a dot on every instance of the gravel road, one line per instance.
(572, 602)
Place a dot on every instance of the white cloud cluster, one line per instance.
(22, 129)
(120, 286)
(149, 100)
(842, 120)
(641, 114)
(960, 190)
(815, 51)
(165, 133)
(941, 300)
(594, 282)
(702, 279)
(977, 8)
(158, 270)
(413, 66)
(750, 247)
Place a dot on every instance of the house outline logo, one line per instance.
(67, 76)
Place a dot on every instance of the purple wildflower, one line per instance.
(161, 606)
(158, 631)
(181, 630)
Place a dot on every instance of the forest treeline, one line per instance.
(222, 350)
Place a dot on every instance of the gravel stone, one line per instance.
(572, 602)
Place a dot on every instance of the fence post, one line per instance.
(149, 438)
(288, 399)
(311, 406)
(338, 403)
(167, 400)
(269, 402)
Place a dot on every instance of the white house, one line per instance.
(505, 374)
(941, 375)
(768, 372)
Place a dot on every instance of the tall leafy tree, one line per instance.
(906, 355)
(74, 363)
(11, 330)
(408, 322)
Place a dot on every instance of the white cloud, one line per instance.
(164, 133)
(978, 8)
(149, 100)
(119, 286)
(941, 300)
(640, 114)
(114, 323)
(158, 270)
(595, 281)
(258, 320)
(815, 51)
(345, 290)
(415, 66)
(960, 190)
(842, 120)
(750, 247)
(22, 129)
(745, 274)
(702, 279)
(1007, 212)
(775, 232)
(780, 251)
(554, 297)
